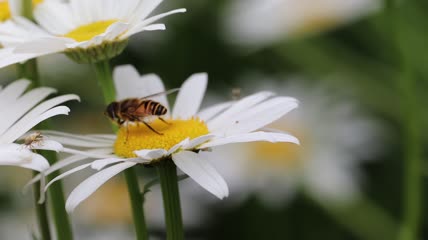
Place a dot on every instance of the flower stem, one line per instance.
(171, 200)
(105, 79)
(29, 71)
(62, 224)
(413, 175)
(137, 204)
(27, 9)
(57, 201)
(41, 212)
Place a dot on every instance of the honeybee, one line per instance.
(137, 110)
(32, 140)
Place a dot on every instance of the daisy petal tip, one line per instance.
(42, 199)
(78, 99)
(201, 75)
(69, 207)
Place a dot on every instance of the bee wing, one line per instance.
(161, 93)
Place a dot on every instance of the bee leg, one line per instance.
(150, 127)
(127, 133)
(163, 120)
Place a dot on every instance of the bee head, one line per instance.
(111, 112)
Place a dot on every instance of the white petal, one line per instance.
(64, 163)
(94, 138)
(190, 97)
(238, 107)
(198, 141)
(38, 163)
(46, 11)
(114, 31)
(151, 154)
(214, 110)
(48, 145)
(179, 146)
(125, 77)
(143, 27)
(251, 137)
(202, 172)
(145, 8)
(91, 154)
(58, 165)
(100, 164)
(66, 174)
(24, 125)
(18, 108)
(76, 142)
(17, 155)
(15, 7)
(256, 117)
(12, 91)
(129, 84)
(8, 57)
(44, 46)
(150, 20)
(14, 154)
(91, 184)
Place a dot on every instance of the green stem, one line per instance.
(29, 71)
(27, 9)
(57, 201)
(171, 200)
(56, 193)
(137, 204)
(41, 212)
(105, 79)
(413, 175)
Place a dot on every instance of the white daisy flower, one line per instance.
(184, 139)
(87, 31)
(335, 140)
(22, 111)
(259, 23)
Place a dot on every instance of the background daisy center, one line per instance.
(5, 10)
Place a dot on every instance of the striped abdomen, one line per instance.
(149, 107)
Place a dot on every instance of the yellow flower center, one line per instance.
(87, 32)
(138, 136)
(5, 10)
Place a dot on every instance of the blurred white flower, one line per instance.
(260, 23)
(22, 111)
(11, 8)
(184, 140)
(335, 139)
(99, 28)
